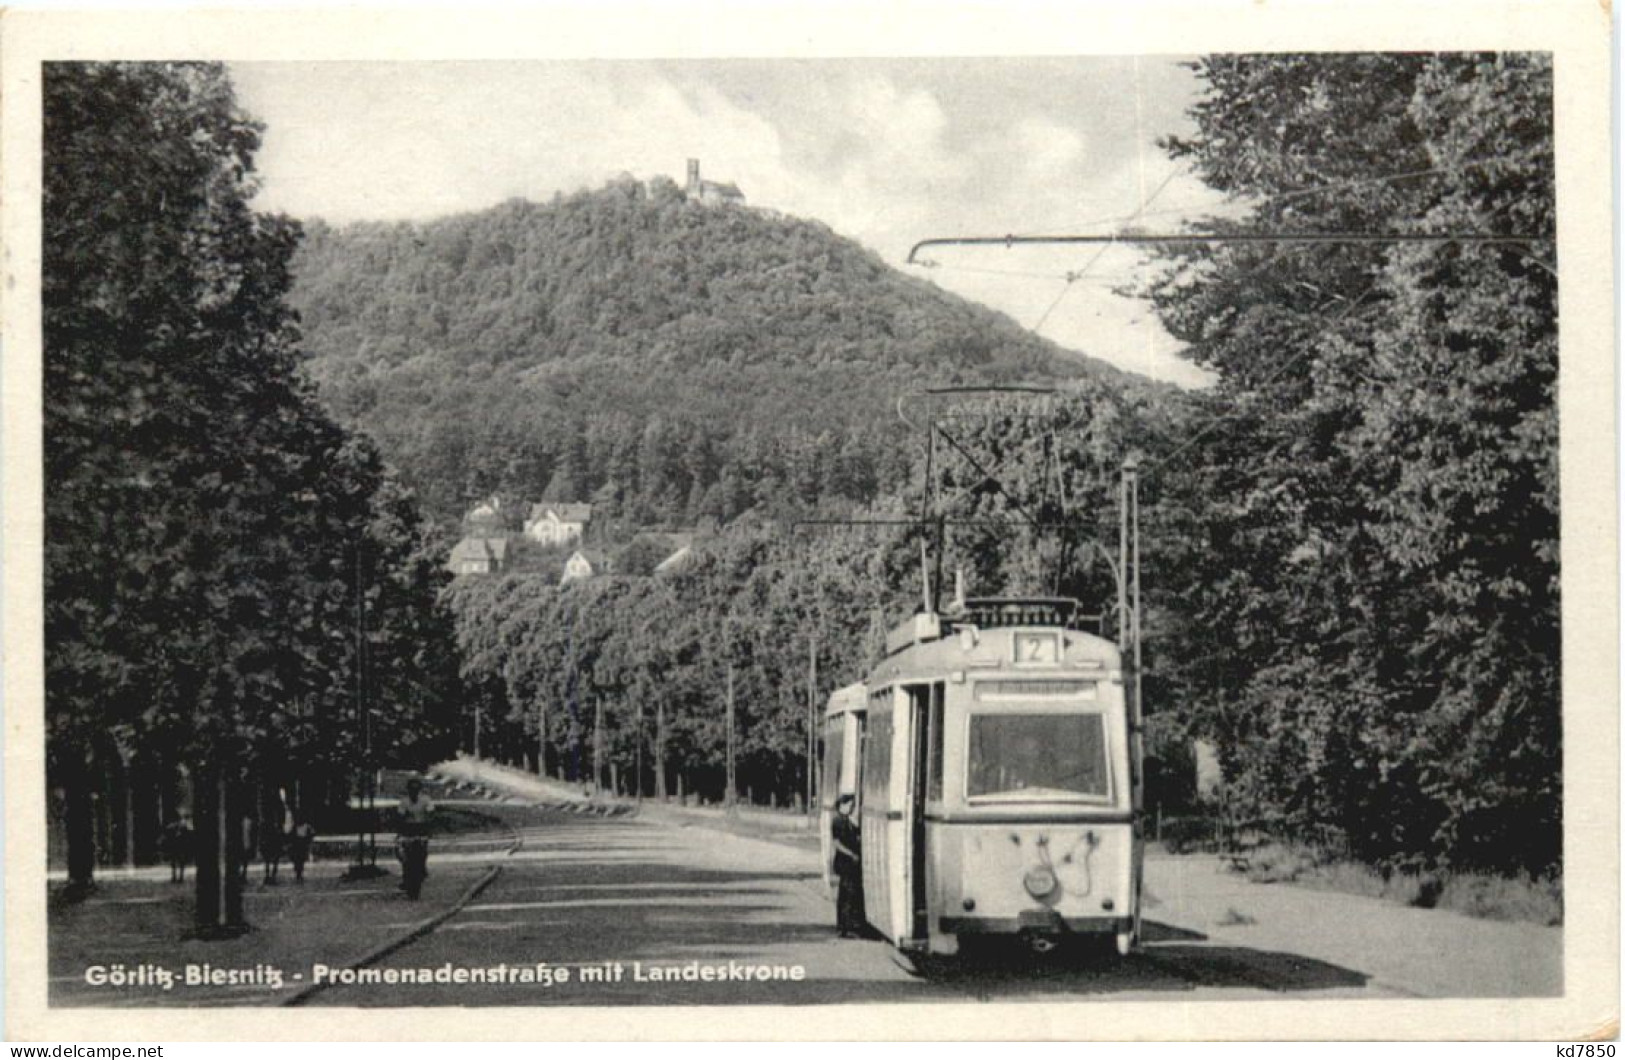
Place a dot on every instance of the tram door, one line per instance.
(878, 815)
(910, 749)
(896, 755)
(925, 739)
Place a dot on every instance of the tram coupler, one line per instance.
(1043, 945)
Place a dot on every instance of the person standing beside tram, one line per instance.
(848, 842)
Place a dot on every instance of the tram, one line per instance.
(996, 767)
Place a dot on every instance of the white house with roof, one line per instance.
(557, 524)
(479, 555)
(584, 563)
(678, 562)
(485, 517)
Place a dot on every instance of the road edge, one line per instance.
(416, 931)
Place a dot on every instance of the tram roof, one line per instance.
(930, 643)
(988, 613)
(846, 699)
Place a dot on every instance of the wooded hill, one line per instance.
(664, 359)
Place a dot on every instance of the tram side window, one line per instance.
(877, 761)
(933, 790)
(834, 752)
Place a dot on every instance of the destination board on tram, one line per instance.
(1030, 689)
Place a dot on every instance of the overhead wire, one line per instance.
(1346, 311)
(1283, 238)
(1277, 198)
(1010, 272)
(1073, 277)
(1318, 189)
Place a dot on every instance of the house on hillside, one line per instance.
(557, 524)
(485, 518)
(710, 192)
(479, 555)
(676, 548)
(651, 552)
(584, 563)
(677, 562)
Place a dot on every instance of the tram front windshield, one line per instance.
(1034, 755)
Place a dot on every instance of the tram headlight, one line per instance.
(1040, 882)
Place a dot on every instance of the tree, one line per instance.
(1371, 625)
(205, 519)
(152, 263)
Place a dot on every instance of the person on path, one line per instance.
(414, 811)
(271, 850)
(246, 846)
(300, 839)
(177, 846)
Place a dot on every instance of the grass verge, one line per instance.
(1515, 898)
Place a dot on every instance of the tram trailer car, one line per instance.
(842, 723)
(997, 781)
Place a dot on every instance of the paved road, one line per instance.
(638, 898)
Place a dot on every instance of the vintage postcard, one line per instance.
(717, 520)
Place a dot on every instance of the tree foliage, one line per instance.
(667, 360)
(1367, 595)
(221, 557)
(769, 600)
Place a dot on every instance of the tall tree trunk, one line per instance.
(218, 812)
(80, 820)
(122, 804)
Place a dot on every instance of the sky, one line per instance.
(887, 152)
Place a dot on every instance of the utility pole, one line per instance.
(812, 723)
(365, 715)
(597, 743)
(660, 749)
(1131, 474)
(1122, 561)
(639, 774)
(1128, 615)
(366, 854)
(728, 797)
(541, 737)
(1129, 581)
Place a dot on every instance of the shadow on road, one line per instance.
(624, 905)
(1171, 959)
(674, 913)
(1258, 969)
(1152, 931)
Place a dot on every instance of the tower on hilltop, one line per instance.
(709, 191)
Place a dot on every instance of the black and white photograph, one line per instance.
(1036, 536)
